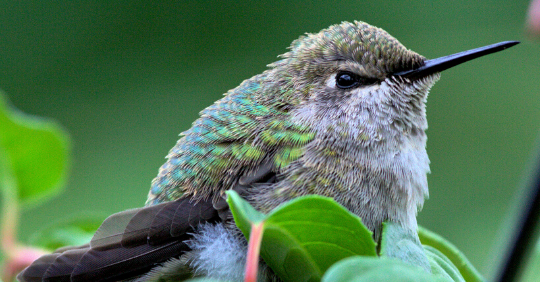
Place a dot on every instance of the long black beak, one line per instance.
(446, 62)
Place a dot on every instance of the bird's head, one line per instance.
(361, 75)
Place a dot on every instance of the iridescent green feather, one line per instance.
(233, 136)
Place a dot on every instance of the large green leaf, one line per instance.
(36, 152)
(304, 237)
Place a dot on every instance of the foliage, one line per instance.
(434, 244)
(310, 233)
(34, 159)
(34, 155)
(313, 238)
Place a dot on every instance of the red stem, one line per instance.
(254, 247)
(10, 208)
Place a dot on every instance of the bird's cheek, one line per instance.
(366, 95)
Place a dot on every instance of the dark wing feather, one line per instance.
(61, 268)
(136, 231)
(110, 233)
(123, 263)
(37, 270)
(265, 173)
(160, 227)
(189, 215)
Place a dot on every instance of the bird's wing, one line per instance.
(130, 243)
(250, 127)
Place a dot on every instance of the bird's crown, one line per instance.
(373, 48)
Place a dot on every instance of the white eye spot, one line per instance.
(362, 90)
(331, 80)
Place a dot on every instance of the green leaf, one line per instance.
(244, 214)
(358, 269)
(77, 230)
(304, 237)
(450, 252)
(402, 244)
(441, 265)
(35, 150)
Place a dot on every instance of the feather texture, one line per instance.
(127, 244)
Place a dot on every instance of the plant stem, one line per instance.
(254, 247)
(10, 208)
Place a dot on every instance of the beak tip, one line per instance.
(508, 44)
(446, 62)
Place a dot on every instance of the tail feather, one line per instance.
(62, 267)
(126, 245)
(38, 269)
(121, 263)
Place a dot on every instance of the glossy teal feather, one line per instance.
(235, 134)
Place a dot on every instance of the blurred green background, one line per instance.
(125, 77)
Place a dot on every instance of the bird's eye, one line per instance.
(347, 79)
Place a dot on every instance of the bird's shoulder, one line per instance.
(234, 137)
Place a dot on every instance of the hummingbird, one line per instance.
(342, 114)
